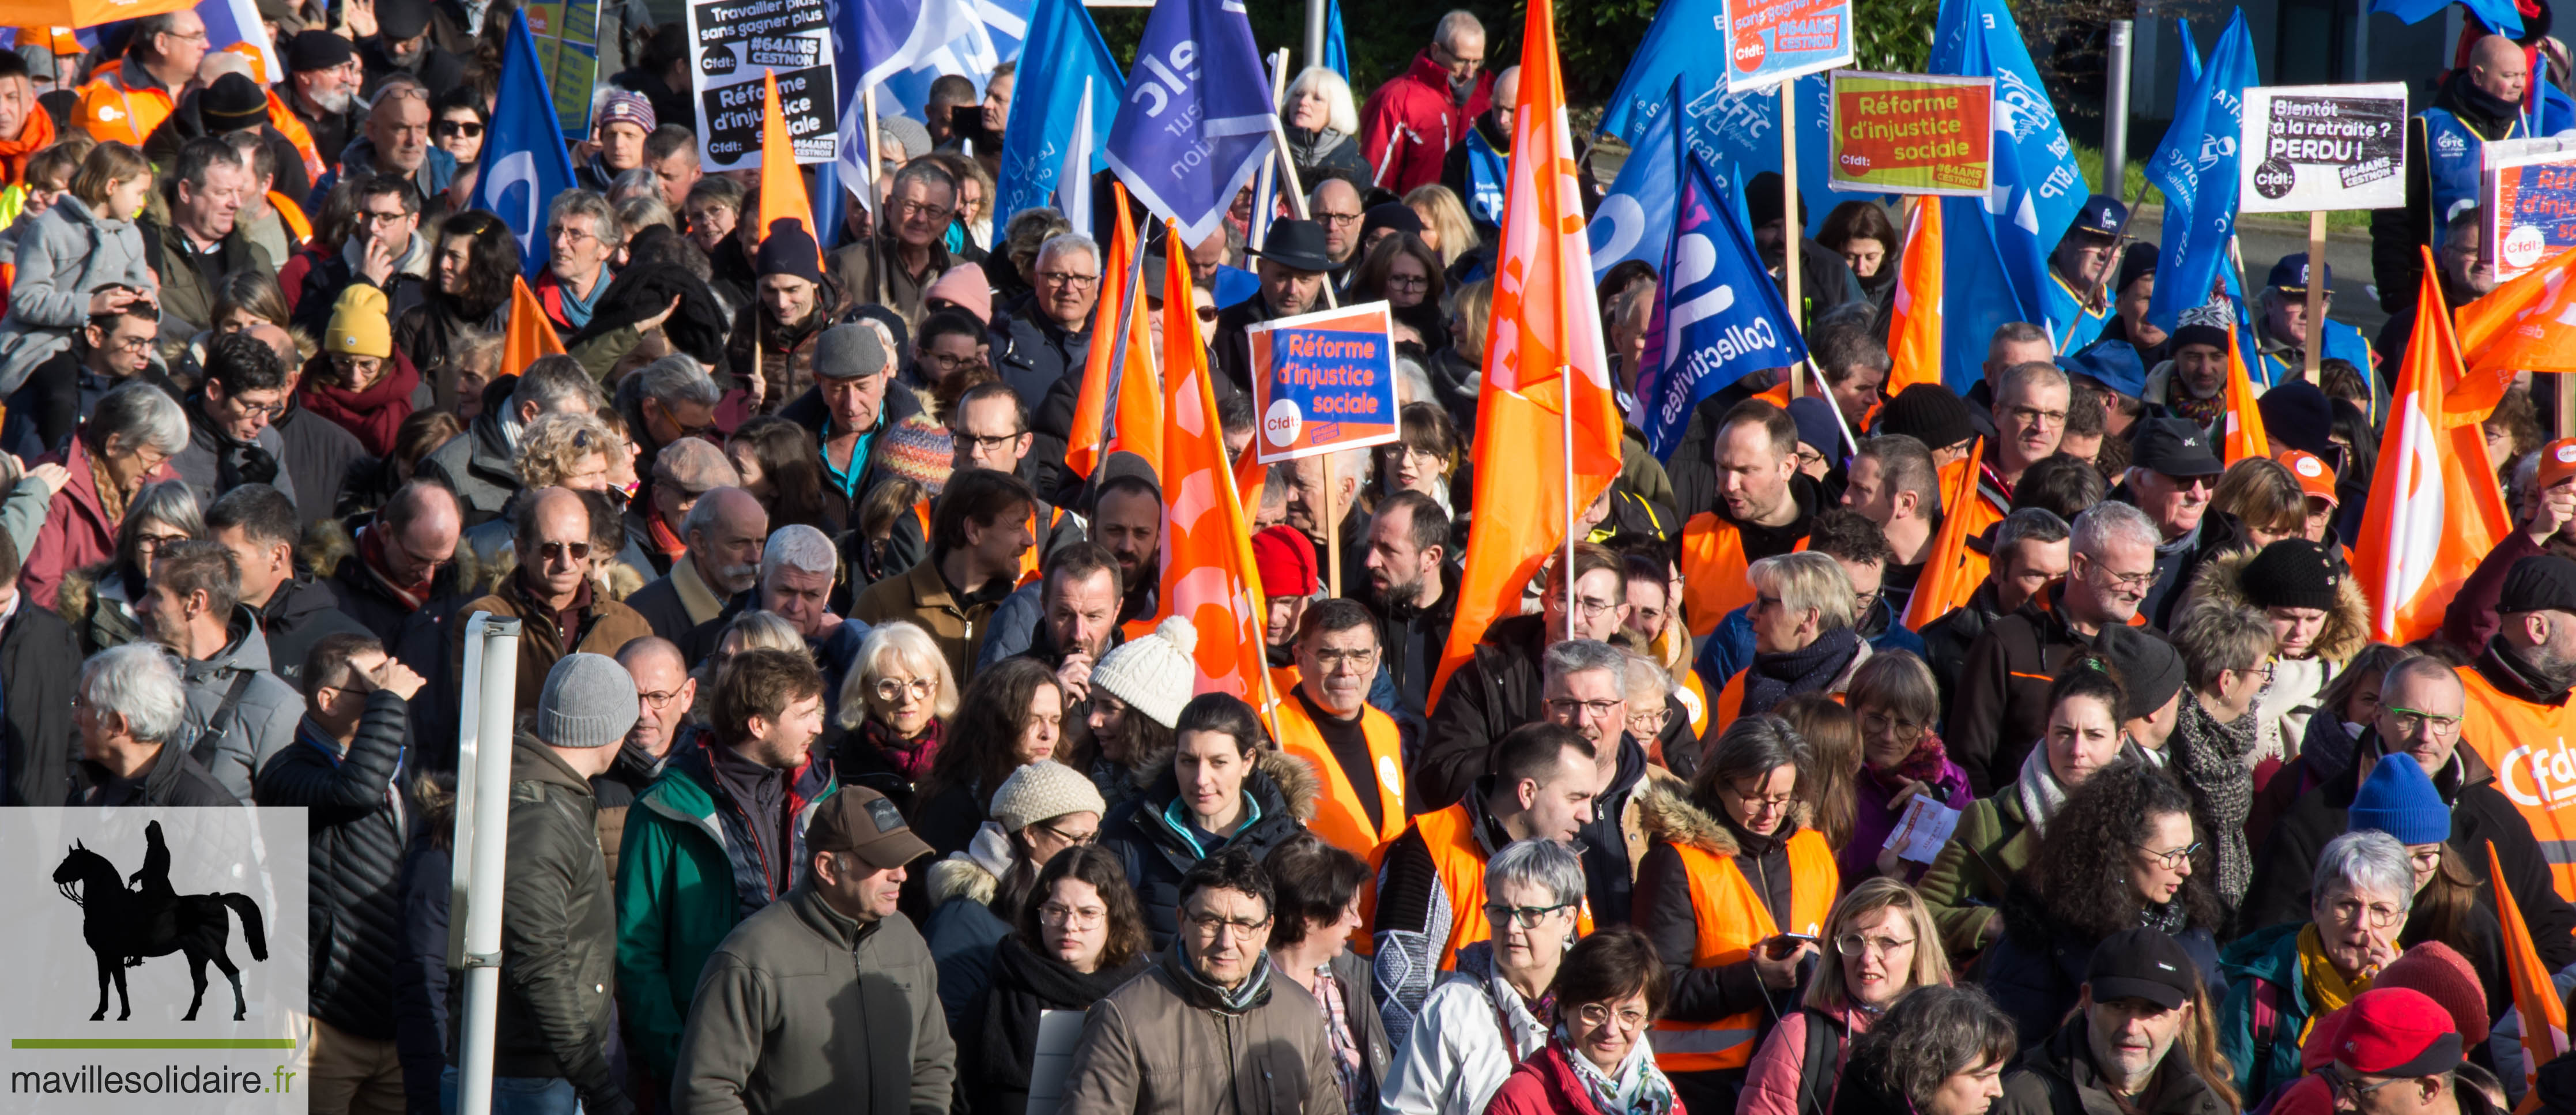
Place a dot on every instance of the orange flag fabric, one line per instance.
(1209, 579)
(2244, 424)
(2528, 324)
(1914, 320)
(1139, 428)
(1951, 571)
(530, 335)
(2535, 997)
(2432, 512)
(782, 186)
(1546, 368)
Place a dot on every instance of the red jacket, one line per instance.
(1546, 1085)
(77, 531)
(1418, 118)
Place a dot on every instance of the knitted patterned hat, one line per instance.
(1153, 673)
(1043, 791)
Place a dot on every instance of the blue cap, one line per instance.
(2102, 214)
(2114, 362)
(2399, 799)
(2291, 274)
(1816, 425)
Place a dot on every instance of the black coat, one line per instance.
(39, 670)
(321, 458)
(840, 509)
(2036, 971)
(357, 853)
(417, 637)
(175, 779)
(2000, 705)
(1157, 854)
(1493, 693)
(420, 978)
(2054, 1075)
(1025, 985)
(1414, 637)
(302, 613)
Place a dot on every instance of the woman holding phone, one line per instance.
(1733, 890)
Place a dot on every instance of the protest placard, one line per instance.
(2313, 148)
(567, 38)
(731, 43)
(1911, 134)
(2529, 194)
(1324, 382)
(1771, 41)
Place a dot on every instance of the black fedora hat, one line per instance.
(1296, 245)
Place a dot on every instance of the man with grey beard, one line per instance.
(724, 531)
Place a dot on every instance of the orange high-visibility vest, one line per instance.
(111, 111)
(1458, 861)
(1732, 919)
(1983, 513)
(1713, 567)
(1285, 678)
(2528, 747)
(1341, 818)
(297, 225)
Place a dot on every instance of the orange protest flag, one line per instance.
(782, 187)
(1914, 320)
(2244, 424)
(1209, 578)
(2535, 997)
(1547, 429)
(2432, 513)
(1950, 577)
(530, 334)
(2528, 324)
(1138, 392)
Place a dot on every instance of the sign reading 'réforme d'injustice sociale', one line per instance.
(1327, 382)
(1912, 133)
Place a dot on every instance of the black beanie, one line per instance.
(2298, 415)
(787, 250)
(1927, 412)
(2149, 669)
(231, 104)
(2292, 573)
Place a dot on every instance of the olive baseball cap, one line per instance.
(863, 823)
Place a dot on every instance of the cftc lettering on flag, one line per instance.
(732, 43)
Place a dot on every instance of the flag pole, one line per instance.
(876, 205)
(1266, 188)
(1332, 527)
(2316, 293)
(1296, 193)
(1794, 230)
(1110, 392)
(1565, 567)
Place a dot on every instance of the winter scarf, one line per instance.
(372, 414)
(1477, 960)
(2041, 794)
(1641, 1088)
(1239, 999)
(1925, 765)
(2327, 988)
(1774, 678)
(236, 462)
(911, 759)
(2210, 757)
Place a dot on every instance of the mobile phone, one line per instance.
(1781, 946)
(966, 120)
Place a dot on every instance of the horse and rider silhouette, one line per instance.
(124, 926)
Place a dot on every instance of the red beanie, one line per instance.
(2397, 1031)
(2442, 974)
(1285, 558)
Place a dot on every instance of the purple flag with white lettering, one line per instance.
(1195, 121)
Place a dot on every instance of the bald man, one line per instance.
(1494, 130)
(1410, 123)
(401, 585)
(551, 589)
(664, 692)
(723, 530)
(2479, 103)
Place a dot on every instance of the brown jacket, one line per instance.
(605, 626)
(923, 597)
(1160, 1046)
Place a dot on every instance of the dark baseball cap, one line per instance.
(2291, 274)
(2102, 215)
(2141, 963)
(863, 823)
(2174, 447)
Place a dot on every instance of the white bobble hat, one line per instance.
(1153, 673)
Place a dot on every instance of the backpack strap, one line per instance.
(222, 721)
(2265, 1019)
(1816, 1078)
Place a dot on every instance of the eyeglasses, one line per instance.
(1600, 1014)
(1875, 722)
(1409, 282)
(2352, 1087)
(911, 209)
(452, 129)
(2033, 416)
(130, 344)
(2172, 860)
(1569, 707)
(1077, 839)
(951, 361)
(1593, 608)
(249, 408)
(1527, 917)
(1210, 926)
(1059, 914)
(2351, 911)
(1809, 458)
(660, 698)
(570, 235)
(150, 543)
(571, 551)
(974, 444)
(1068, 278)
(893, 689)
(1858, 944)
(1774, 801)
(1862, 602)
(1337, 220)
(2407, 720)
(2135, 582)
(1333, 661)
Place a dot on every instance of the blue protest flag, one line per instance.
(1486, 175)
(2196, 170)
(2499, 14)
(1683, 44)
(874, 40)
(1742, 130)
(1635, 220)
(1997, 248)
(524, 161)
(831, 206)
(1337, 56)
(1046, 101)
(1717, 315)
(1195, 121)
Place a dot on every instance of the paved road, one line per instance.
(2265, 242)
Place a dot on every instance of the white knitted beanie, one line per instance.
(1153, 673)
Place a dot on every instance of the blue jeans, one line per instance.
(516, 1095)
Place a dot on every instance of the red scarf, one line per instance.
(373, 414)
(911, 759)
(1923, 765)
(371, 549)
(671, 545)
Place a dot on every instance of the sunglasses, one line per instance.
(452, 129)
(576, 551)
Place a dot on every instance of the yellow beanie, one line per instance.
(358, 326)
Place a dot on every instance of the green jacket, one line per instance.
(677, 898)
(2264, 1061)
(1993, 843)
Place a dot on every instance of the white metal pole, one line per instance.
(497, 693)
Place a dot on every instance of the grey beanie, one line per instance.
(589, 701)
(849, 350)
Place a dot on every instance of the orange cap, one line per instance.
(2315, 477)
(2557, 462)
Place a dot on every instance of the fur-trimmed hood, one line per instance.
(1295, 778)
(2347, 628)
(1665, 811)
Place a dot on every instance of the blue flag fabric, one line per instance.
(2196, 169)
(1046, 101)
(524, 161)
(2499, 14)
(874, 40)
(1997, 247)
(1742, 130)
(1486, 175)
(1682, 44)
(1717, 315)
(1635, 220)
(1195, 121)
(1337, 55)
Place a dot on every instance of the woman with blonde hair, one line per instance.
(1444, 222)
(894, 708)
(1881, 945)
(1323, 128)
(81, 259)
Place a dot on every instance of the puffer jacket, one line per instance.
(2264, 964)
(1165, 1044)
(964, 930)
(803, 1009)
(2296, 685)
(558, 938)
(359, 828)
(687, 874)
(63, 257)
(298, 616)
(262, 722)
(1146, 835)
(476, 465)
(1492, 693)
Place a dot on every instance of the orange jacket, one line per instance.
(114, 107)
